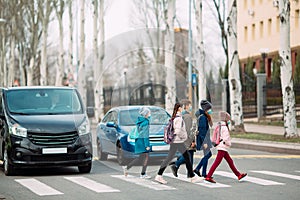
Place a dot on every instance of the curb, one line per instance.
(272, 147)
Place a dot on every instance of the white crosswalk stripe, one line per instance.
(144, 182)
(91, 184)
(38, 187)
(278, 174)
(202, 183)
(248, 178)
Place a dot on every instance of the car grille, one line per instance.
(49, 139)
(156, 138)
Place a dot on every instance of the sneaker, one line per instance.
(160, 179)
(241, 176)
(210, 180)
(174, 170)
(196, 179)
(125, 170)
(145, 176)
(197, 172)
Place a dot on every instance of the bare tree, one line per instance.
(288, 96)
(200, 45)
(234, 69)
(170, 57)
(81, 71)
(59, 6)
(46, 8)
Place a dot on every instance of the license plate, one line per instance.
(54, 150)
(161, 148)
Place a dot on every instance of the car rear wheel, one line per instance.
(85, 168)
(120, 155)
(101, 155)
(8, 168)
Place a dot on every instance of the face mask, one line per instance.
(149, 117)
(228, 122)
(191, 109)
(209, 111)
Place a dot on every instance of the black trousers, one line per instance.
(174, 147)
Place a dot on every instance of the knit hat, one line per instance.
(144, 111)
(205, 105)
(224, 116)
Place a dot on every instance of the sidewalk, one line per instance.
(269, 146)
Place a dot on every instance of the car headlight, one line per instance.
(84, 128)
(18, 130)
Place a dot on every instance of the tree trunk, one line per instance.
(98, 66)
(288, 96)
(170, 58)
(45, 22)
(81, 71)
(201, 69)
(60, 66)
(70, 53)
(234, 70)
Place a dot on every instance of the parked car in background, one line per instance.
(44, 126)
(112, 133)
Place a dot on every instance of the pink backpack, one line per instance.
(216, 135)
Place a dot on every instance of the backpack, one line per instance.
(169, 132)
(216, 135)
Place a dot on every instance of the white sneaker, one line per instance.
(196, 179)
(145, 176)
(125, 170)
(160, 179)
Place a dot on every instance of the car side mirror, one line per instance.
(111, 124)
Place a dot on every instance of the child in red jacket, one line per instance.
(225, 143)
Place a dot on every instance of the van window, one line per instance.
(43, 101)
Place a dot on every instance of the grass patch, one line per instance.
(265, 137)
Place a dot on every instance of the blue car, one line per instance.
(112, 133)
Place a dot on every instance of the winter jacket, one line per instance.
(142, 142)
(203, 136)
(225, 137)
(179, 129)
(188, 120)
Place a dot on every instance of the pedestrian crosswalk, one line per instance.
(93, 184)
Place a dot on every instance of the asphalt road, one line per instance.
(271, 176)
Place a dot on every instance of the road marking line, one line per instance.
(144, 182)
(38, 187)
(257, 156)
(249, 178)
(91, 184)
(278, 174)
(209, 185)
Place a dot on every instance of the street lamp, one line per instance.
(126, 90)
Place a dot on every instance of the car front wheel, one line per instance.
(8, 168)
(101, 155)
(85, 168)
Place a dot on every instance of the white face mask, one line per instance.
(209, 111)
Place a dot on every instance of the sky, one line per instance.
(118, 16)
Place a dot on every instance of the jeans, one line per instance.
(142, 158)
(223, 154)
(181, 159)
(204, 161)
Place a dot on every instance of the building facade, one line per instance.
(258, 27)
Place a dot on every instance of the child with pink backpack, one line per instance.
(222, 140)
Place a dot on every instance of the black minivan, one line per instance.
(44, 126)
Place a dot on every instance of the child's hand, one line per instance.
(147, 148)
(205, 146)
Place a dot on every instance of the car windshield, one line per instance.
(129, 117)
(43, 101)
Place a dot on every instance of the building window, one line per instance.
(246, 34)
(253, 31)
(245, 4)
(261, 29)
(269, 27)
(297, 16)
